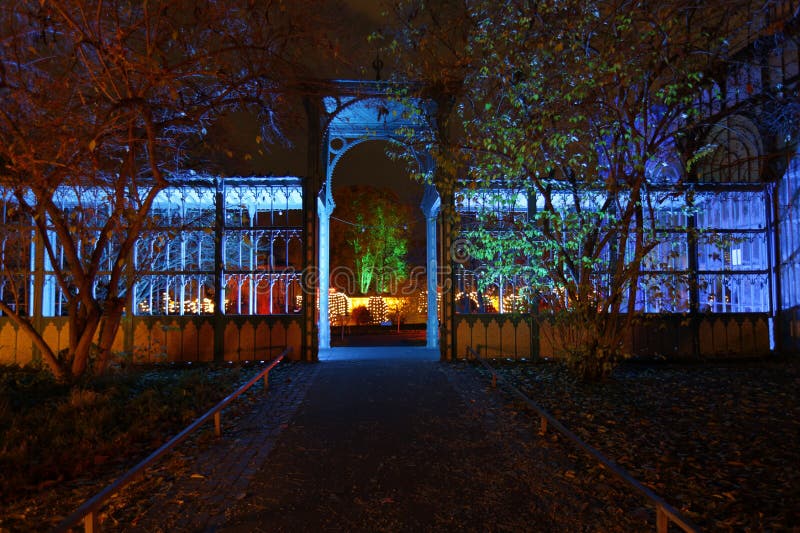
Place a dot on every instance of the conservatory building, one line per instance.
(238, 268)
(218, 273)
(228, 272)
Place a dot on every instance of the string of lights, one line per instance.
(363, 227)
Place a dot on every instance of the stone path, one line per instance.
(384, 439)
(200, 488)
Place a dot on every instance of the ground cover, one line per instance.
(60, 445)
(718, 440)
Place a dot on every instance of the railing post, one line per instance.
(266, 381)
(90, 522)
(662, 520)
(89, 509)
(543, 426)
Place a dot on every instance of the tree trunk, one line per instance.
(108, 332)
(83, 349)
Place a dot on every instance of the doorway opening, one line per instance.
(377, 296)
(366, 283)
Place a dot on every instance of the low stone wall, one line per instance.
(789, 330)
(505, 335)
(707, 336)
(257, 337)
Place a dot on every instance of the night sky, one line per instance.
(235, 152)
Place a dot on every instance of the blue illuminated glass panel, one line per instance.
(733, 293)
(789, 234)
(731, 210)
(175, 257)
(732, 257)
(263, 247)
(664, 284)
(663, 293)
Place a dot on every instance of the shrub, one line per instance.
(362, 316)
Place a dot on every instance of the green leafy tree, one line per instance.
(369, 235)
(574, 105)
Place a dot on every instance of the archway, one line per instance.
(364, 111)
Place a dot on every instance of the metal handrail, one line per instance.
(88, 510)
(664, 511)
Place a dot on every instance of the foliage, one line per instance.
(101, 102)
(373, 240)
(362, 316)
(571, 106)
(51, 432)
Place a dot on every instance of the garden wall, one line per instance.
(172, 339)
(790, 330)
(710, 335)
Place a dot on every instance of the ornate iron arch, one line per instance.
(357, 112)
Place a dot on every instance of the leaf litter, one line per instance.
(717, 440)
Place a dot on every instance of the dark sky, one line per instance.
(366, 163)
(365, 18)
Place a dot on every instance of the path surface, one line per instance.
(385, 439)
(393, 440)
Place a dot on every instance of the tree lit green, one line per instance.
(370, 236)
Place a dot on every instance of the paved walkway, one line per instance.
(193, 486)
(380, 439)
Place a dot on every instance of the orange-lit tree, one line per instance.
(101, 101)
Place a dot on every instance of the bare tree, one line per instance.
(101, 101)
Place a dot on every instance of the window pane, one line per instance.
(789, 234)
(732, 251)
(734, 293)
(662, 293)
(731, 210)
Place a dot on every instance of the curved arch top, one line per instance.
(370, 111)
(353, 107)
(737, 152)
(338, 147)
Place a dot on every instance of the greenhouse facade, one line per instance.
(215, 247)
(238, 268)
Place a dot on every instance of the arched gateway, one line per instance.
(234, 268)
(353, 113)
